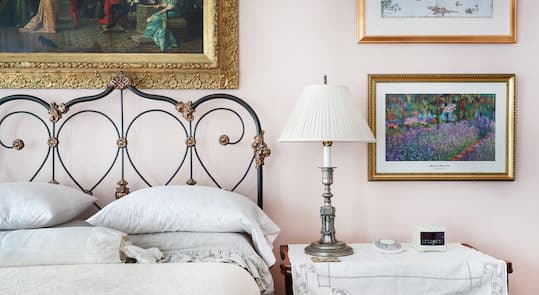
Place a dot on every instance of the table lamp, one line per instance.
(325, 114)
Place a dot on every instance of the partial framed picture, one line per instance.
(442, 127)
(437, 21)
(163, 44)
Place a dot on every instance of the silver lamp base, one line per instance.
(328, 245)
(336, 249)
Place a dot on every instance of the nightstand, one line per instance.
(286, 268)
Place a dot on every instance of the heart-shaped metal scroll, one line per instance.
(129, 157)
(69, 173)
(223, 140)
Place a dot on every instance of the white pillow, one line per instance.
(190, 208)
(69, 245)
(32, 205)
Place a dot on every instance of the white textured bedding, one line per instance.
(208, 250)
(234, 248)
(186, 208)
(62, 245)
(112, 279)
(178, 247)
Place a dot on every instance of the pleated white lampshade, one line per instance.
(326, 113)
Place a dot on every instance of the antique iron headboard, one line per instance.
(59, 115)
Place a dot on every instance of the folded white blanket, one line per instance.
(69, 245)
(234, 248)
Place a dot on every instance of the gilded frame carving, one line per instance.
(216, 68)
(509, 113)
(363, 37)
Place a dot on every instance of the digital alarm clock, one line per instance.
(429, 238)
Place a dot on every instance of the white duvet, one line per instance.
(129, 279)
(233, 248)
(70, 245)
(180, 248)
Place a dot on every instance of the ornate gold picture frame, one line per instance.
(418, 21)
(216, 67)
(442, 127)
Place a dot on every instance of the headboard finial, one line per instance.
(186, 109)
(121, 142)
(52, 142)
(120, 81)
(122, 190)
(224, 139)
(261, 149)
(18, 144)
(56, 111)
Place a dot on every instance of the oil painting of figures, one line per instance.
(101, 26)
(440, 127)
(437, 8)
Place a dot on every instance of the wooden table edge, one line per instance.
(286, 267)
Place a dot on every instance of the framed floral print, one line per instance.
(437, 21)
(172, 44)
(442, 127)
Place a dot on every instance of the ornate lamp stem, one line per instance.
(328, 245)
(327, 212)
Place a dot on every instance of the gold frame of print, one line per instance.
(363, 37)
(440, 170)
(216, 68)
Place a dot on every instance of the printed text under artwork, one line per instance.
(440, 127)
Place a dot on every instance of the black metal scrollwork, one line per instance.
(220, 140)
(129, 155)
(68, 172)
(18, 144)
(184, 110)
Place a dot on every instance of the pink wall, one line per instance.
(286, 45)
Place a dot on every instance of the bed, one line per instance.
(203, 244)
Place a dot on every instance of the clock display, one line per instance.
(432, 238)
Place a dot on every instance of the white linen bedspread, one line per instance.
(460, 270)
(119, 279)
(235, 248)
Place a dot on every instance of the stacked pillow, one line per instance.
(192, 209)
(25, 208)
(25, 205)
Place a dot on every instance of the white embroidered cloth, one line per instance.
(460, 270)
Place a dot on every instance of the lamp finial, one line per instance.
(325, 79)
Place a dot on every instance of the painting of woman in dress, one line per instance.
(45, 19)
(102, 26)
(157, 28)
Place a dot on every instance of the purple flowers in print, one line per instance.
(483, 125)
(444, 142)
(484, 151)
(440, 127)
